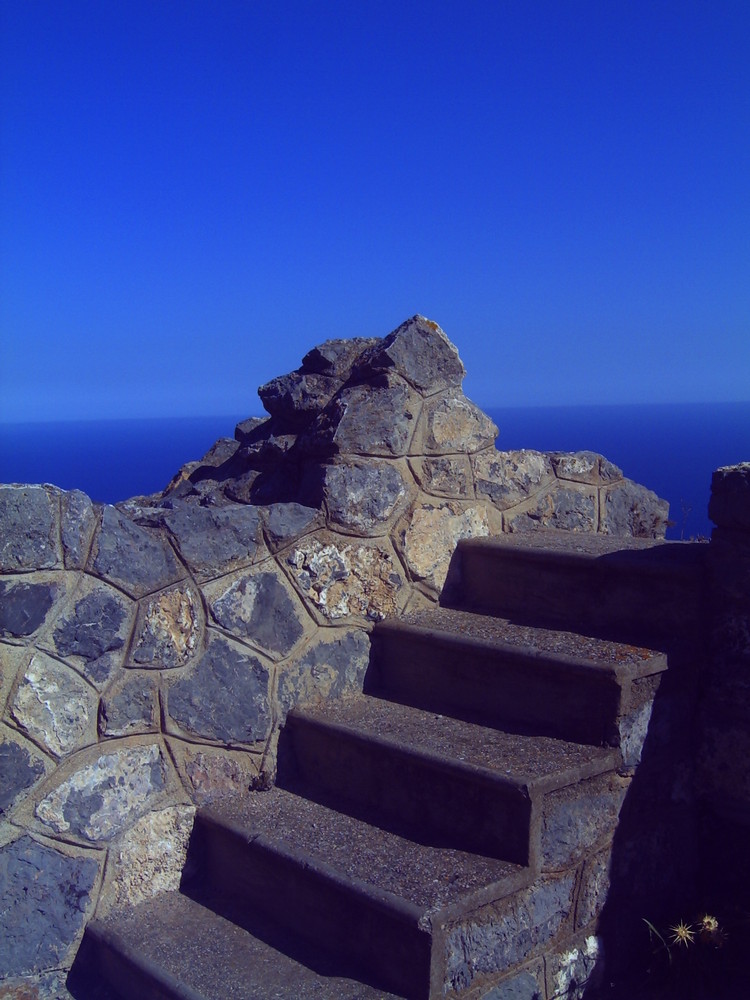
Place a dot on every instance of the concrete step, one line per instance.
(437, 778)
(500, 673)
(174, 948)
(634, 590)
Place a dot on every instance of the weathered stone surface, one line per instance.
(13, 660)
(148, 858)
(420, 352)
(225, 697)
(257, 605)
(131, 706)
(102, 798)
(284, 522)
(500, 938)
(336, 357)
(346, 578)
(137, 559)
(45, 897)
(168, 628)
(578, 816)
(454, 424)
(572, 971)
(214, 773)
(220, 452)
(28, 529)
(98, 624)
(565, 509)
(77, 524)
(595, 883)
(375, 419)
(630, 509)
(729, 506)
(55, 706)
(431, 535)
(24, 606)
(297, 397)
(444, 476)
(584, 467)
(215, 540)
(524, 986)
(326, 670)
(249, 428)
(243, 489)
(19, 770)
(362, 495)
(508, 477)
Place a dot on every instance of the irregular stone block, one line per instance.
(375, 419)
(243, 488)
(577, 817)
(98, 624)
(327, 669)
(508, 477)
(220, 452)
(215, 773)
(130, 707)
(444, 476)
(45, 897)
(55, 706)
(454, 424)
(284, 522)
(249, 428)
(524, 986)
(28, 529)
(499, 937)
(257, 605)
(584, 467)
(224, 698)
(167, 629)
(345, 578)
(19, 770)
(77, 524)
(595, 883)
(13, 660)
(431, 535)
(148, 858)
(102, 798)
(565, 509)
(572, 971)
(137, 559)
(729, 506)
(296, 398)
(630, 509)
(336, 357)
(24, 606)
(363, 495)
(420, 352)
(214, 540)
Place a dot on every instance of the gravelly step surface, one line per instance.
(429, 876)
(200, 954)
(555, 540)
(596, 651)
(526, 759)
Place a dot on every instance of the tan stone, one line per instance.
(211, 773)
(432, 533)
(168, 628)
(55, 706)
(509, 477)
(453, 423)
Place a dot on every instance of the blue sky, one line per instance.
(194, 192)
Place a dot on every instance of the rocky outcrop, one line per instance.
(150, 651)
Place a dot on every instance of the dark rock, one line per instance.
(242, 489)
(420, 352)
(294, 399)
(376, 419)
(520, 987)
(45, 897)
(77, 524)
(168, 628)
(136, 558)
(28, 529)
(257, 605)
(94, 628)
(286, 521)
(220, 452)
(578, 816)
(336, 357)
(248, 429)
(224, 698)
(630, 509)
(131, 708)
(362, 495)
(729, 506)
(326, 670)
(24, 606)
(215, 540)
(18, 771)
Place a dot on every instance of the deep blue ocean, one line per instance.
(671, 449)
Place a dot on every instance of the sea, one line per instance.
(670, 448)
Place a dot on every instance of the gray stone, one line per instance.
(54, 705)
(509, 477)
(101, 799)
(24, 606)
(577, 817)
(77, 524)
(95, 626)
(327, 669)
(454, 424)
(220, 452)
(565, 509)
(294, 399)
(243, 488)
(584, 467)
(130, 707)
(168, 628)
(444, 476)
(18, 771)
(420, 352)
(137, 559)
(336, 357)
(45, 897)
(630, 509)
(258, 606)
(595, 884)
(521, 987)
(573, 970)
(249, 428)
(375, 419)
(28, 529)
(363, 495)
(284, 522)
(215, 540)
(224, 698)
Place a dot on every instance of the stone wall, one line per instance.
(151, 650)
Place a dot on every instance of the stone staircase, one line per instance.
(448, 832)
